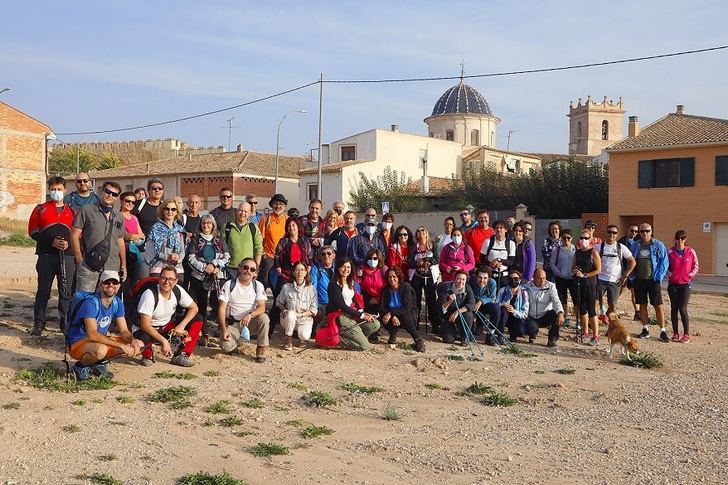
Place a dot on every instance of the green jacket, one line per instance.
(242, 243)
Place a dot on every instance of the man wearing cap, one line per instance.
(225, 212)
(272, 227)
(255, 214)
(467, 220)
(87, 339)
(366, 241)
(242, 304)
(480, 232)
(97, 239)
(591, 226)
(82, 195)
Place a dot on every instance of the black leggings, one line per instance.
(586, 290)
(426, 284)
(201, 297)
(679, 298)
(563, 288)
(407, 322)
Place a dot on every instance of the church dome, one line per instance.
(461, 99)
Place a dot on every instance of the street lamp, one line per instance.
(278, 139)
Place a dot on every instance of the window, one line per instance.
(312, 190)
(605, 130)
(348, 152)
(578, 129)
(475, 137)
(450, 135)
(721, 170)
(668, 172)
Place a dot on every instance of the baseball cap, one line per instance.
(464, 212)
(590, 223)
(110, 275)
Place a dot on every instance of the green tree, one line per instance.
(70, 161)
(392, 186)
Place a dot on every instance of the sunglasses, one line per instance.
(111, 283)
(164, 279)
(567, 237)
(157, 187)
(253, 203)
(373, 259)
(517, 280)
(328, 253)
(645, 230)
(226, 196)
(404, 234)
(613, 232)
(170, 209)
(585, 238)
(634, 230)
(251, 269)
(111, 193)
(129, 201)
(81, 181)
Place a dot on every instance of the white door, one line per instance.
(721, 249)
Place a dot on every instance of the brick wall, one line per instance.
(672, 208)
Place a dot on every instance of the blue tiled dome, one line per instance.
(461, 99)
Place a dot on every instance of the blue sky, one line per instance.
(92, 65)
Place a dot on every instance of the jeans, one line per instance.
(48, 267)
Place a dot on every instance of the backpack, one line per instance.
(131, 304)
(623, 264)
(253, 227)
(72, 321)
(490, 246)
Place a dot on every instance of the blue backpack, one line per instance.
(72, 321)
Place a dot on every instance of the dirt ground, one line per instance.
(603, 423)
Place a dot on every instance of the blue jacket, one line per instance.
(658, 255)
(486, 294)
(522, 301)
(320, 280)
(362, 245)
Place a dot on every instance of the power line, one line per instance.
(192, 117)
(527, 71)
(403, 80)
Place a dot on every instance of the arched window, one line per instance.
(578, 129)
(605, 130)
(475, 137)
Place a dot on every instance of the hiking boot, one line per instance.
(392, 339)
(204, 340)
(182, 360)
(567, 323)
(420, 345)
(636, 317)
(675, 337)
(664, 337)
(101, 369)
(531, 339)
(37, 331)
(260, 354)
(81, 372)
(146, 361)
(594, 342)
(644, 333)
(551, 343)
(685, 338)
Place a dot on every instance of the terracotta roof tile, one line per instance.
(677, 129)
(332, 167)
(248, 163)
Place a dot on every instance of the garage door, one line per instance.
(721, 249)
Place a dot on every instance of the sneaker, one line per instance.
(81, 372)
(101, 369)
(531, 339)
(392, 340)
(146, 361)
(644, 333)
(204, 340)
(288, 347)
(685, 338)
(37, 331)
(594, 342)
(636, 317)
(675, 337)
(663, 336)
(551, 343)
(182, 360)
(567, 323)
(420, 345)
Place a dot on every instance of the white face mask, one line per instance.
(584, 243)
(372, 263)
(457, 240)
(387, 226)
(56, 195)
(371, 230)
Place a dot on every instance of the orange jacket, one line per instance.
(273, 228)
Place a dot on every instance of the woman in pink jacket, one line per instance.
(683, 265)
(456, 256)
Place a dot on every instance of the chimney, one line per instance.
(395, 128)
(239, 148)
(633, 127)
(680, 109)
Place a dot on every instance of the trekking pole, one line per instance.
(577, 310)
(467, 333)
(493, 330)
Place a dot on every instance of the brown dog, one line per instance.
(617, 335)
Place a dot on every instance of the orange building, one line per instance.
(23, 162)
(673, 174)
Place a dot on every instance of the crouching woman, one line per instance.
(346, 307)
(398, 308)
(298, 304)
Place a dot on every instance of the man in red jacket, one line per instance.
(50, 226)
(479, 233)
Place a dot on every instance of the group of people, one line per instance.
(325, 271)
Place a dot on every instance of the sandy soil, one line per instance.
(605, 423)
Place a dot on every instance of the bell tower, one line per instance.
(594, 126)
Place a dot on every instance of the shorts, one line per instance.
(76, 350)
(647, 288)
(610, 288)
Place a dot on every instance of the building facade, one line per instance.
(23, 162)
(595, 126)
(673, 174)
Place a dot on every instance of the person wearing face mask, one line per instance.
(372, 279)
(587, 265)
(456, 256)
(50, 227)
(365, 242)
(385, 231)
(370, 213)
(513, 303)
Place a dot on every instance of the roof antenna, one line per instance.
(462, 70)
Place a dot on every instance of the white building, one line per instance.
(461, 127)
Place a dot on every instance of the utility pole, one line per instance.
(319, 189)
(510, 132)
(230, 131)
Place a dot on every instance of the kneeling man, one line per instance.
(544, 308)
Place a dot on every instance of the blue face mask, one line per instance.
(106, 208)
